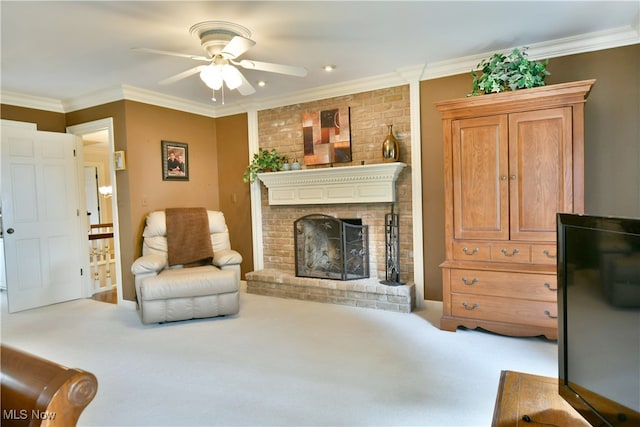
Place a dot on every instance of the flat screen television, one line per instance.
(599, 322)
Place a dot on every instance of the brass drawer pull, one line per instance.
(515, 251)
(548, 286)
(548, 255)
(468, 307)
(468, 252)
(469, 283)
(548, 314)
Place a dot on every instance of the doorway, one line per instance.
(101, 204)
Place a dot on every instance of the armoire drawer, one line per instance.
(511, 252)
(540, 287)
(544, 254)
(507, 251)
(471, 251)
(535, 313)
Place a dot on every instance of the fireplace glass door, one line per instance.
(331, 248)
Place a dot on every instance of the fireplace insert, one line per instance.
(331, 248)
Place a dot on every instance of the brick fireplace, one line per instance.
(281, 128)
(366, 193)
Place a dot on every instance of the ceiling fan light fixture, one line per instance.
(224, 42)
(212, 76)
(231, 76)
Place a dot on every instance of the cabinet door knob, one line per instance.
(513, 177)
(503, 177)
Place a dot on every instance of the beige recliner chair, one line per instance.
(168, 287)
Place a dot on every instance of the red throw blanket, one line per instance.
(188, 237)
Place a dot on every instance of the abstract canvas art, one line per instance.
(327, 136)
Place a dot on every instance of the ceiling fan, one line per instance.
(223, 43)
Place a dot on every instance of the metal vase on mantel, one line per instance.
(390, 147)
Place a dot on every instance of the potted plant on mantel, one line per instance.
(513, 71)
(263, 161)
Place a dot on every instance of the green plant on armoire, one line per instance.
(513, 71)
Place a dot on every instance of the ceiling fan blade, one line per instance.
(182, 75)
(236, 47)
(168, 53)
(290, 70)
(245, 88)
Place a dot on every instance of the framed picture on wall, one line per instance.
(327, 136)
(119, 161)
(175, 161)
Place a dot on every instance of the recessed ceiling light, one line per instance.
(262, 83)
(329, 67)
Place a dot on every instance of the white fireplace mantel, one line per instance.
(345, 184)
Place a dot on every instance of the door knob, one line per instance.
(10, 231)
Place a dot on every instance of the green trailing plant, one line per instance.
(263, 161)
(513, 71)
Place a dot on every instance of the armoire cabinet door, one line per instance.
(479, 172)
(540, 172)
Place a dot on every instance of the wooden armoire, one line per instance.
(512, 161)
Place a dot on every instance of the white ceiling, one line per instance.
(70, 50)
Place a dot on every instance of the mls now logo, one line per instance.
(23, 414)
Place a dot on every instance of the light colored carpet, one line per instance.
(279, 363)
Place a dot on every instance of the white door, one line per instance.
(41, 218)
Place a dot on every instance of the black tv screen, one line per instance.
(599, 322)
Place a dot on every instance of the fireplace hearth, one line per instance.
(331, 248)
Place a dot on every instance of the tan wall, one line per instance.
(432, 176)
(235, 195)
(147, 126)
(281, 128)
(45, 120)
(612, 127)
(139, 130)
(612, 142)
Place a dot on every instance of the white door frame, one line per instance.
(91, 127)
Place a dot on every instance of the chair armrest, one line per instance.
(151, 263)
(226, 257)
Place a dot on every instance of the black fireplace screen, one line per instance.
(331, 248)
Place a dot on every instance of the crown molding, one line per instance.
(132, 93)
(335, 90)
(608, 39)
(591, 42)
(30, 101)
